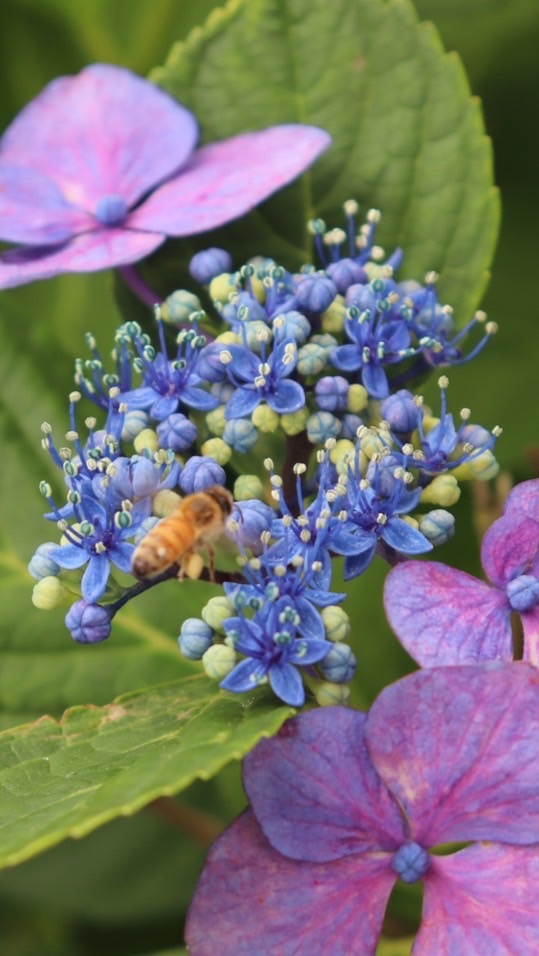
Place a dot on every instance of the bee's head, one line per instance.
(222, 497)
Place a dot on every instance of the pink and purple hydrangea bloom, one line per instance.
(100, 168)
(445, 616)
(344, 803)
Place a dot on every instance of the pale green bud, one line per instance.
(482, 468)
(443, 490)
(332, 320)
(328, 694)
(146, 440)
(247, 487)
(358, 399)
(177, 308)
(218, 661)
(229, 338)
(218, 449)
(342, 455)
(294, 423)
(165, 502)
(311, 359)
(265, 419)
(336, 622)
(49, 593)
(221, 287)
(216, 420)
(217, 610)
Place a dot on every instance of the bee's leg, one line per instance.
(211, 563)
(191, 566)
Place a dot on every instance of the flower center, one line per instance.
(523, 592)
(410, 862)
(110, 210)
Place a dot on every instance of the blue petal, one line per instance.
(446, 436)
(356, 564)
(139, 399)
(400, 535)
(346, 358)
(287, 398)
(287, 684)
(351, 541)
(69, 556)
(241, 678)
(308, 652)
(242, 403)
(312, 625)
(244, 364)
(94, 579)
(198, 398)
(163, 407)
(324, 598)
(122, 555)
(399, 338)
(375, 380)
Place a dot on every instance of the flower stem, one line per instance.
(200, 826)
(139, 287)
(144, 584)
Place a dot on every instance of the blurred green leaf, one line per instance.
(131, 33)
(408, 138)
(70, 776)
(395, 947)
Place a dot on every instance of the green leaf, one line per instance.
(395, 947)
(407, 137)
(70, 776)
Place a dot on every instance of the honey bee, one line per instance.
(198, 520)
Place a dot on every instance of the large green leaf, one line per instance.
(408, 138)
(65, 778)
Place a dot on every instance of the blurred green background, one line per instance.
(123, 890)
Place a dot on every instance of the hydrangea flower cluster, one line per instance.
(366, 469)
(291, 406)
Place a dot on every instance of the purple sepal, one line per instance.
(247, 888)
(320, 769)
(445, 616)
(457, 747)
(481, 901)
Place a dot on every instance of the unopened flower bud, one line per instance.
(88, 623)
(336, 622)
(339, 665)
(217, 610)
(195, 638)
(134, 423)
(177, 308)
(443, 490)
(218, 661)
(146, 440)
(328, 694)
(265, 419)
(217, 449)
(248, 486)
(48, 593)
(438, 526)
